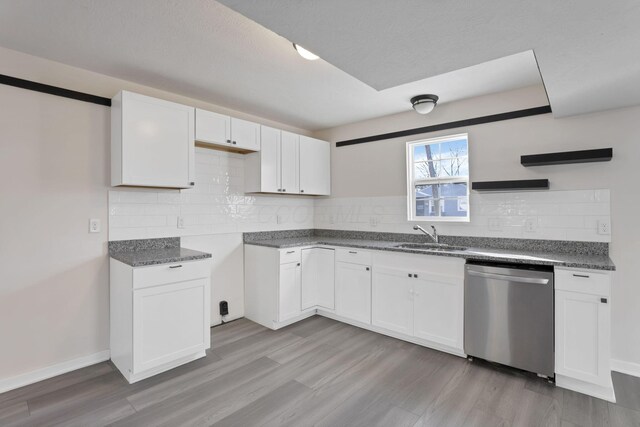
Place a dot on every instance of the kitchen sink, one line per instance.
(431, 247)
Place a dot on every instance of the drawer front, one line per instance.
(354, 256)
(144, 277)
(290, 255)
(590, 282)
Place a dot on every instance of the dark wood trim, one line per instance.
(54, 90)
(568, 157)
(451, 125)
(522, 184)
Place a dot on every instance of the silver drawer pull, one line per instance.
(291, 252)
(581, 275)
(508, 277)
(353, 252)
(175, 266)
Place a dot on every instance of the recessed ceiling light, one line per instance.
(305, 53)
(424, 104)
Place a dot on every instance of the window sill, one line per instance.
(438, 219)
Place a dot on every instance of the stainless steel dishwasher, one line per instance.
(508, 315)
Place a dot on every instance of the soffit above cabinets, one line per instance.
(587, 50)
(209, 52)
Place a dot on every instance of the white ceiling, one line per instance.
(588, 50)
(202, 49)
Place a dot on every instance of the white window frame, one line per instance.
(411, 182)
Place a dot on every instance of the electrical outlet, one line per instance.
(494, 224)
(374, 221)
(530, 225)
(279, 219)
(180, 222)
(604, 227)
(332, 219)
(94, 225)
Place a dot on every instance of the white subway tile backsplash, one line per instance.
(217, 204)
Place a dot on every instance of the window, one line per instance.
(438, 179)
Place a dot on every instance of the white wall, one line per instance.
(377, 169)
(54, 170)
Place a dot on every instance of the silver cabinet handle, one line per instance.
(302, 191)
(603, 300)
(228, 141)
(367, 269)
(508, 278)
(585, 276)
(234, 143)
(353, 252)
(175, 266)
(284, 190)
(291, 252)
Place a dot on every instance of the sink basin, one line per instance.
(432, 247)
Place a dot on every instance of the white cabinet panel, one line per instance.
(245, 134)
(270, 177)
(318, 281)
(392, 300)
(582, 337)
(289, 300)
(439, 309)
(169, 322)
(315, 166)
(152, 142)
(289, 162)
(353, 291)
(213, 128)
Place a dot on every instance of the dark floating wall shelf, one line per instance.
(567, 157)
(523, 184)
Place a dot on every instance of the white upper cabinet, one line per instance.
(227, 132)
(315, 166)
(288, 163)
(152, 142)
(245, 134)
(213, 128)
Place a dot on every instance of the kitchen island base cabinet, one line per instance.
(160, 316)
(583, 330)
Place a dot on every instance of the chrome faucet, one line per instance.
(434, 235)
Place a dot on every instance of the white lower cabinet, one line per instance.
(353, 291)
(583, 331)
(160, 316)
(289, 291)
(420, 297)
(392, 300)
(318, 278)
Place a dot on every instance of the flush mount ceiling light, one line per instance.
(305, 53)
(424, 104)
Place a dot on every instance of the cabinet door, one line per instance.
(289, 304)
(157, 142)
(439, 309)
(353, 291)
(270, 181)
(245, 134)
(290, 163)
(315, 166)
(582, 337)
(392, 300)
(169, 322)
(213, 128)
(318, 282)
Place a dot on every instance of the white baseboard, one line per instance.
(52, 371)
(628, 368)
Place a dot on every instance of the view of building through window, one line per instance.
(438, 179)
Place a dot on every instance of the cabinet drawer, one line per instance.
(584, 281)
(289, 255)
(354, 256)
(144, 277)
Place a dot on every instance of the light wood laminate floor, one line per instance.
(316, 372)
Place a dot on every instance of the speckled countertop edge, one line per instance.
(596, 262)
(145, 252)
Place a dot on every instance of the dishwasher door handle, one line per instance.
(508, 277)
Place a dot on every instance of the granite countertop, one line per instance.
(520, 256)
(139, 253)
